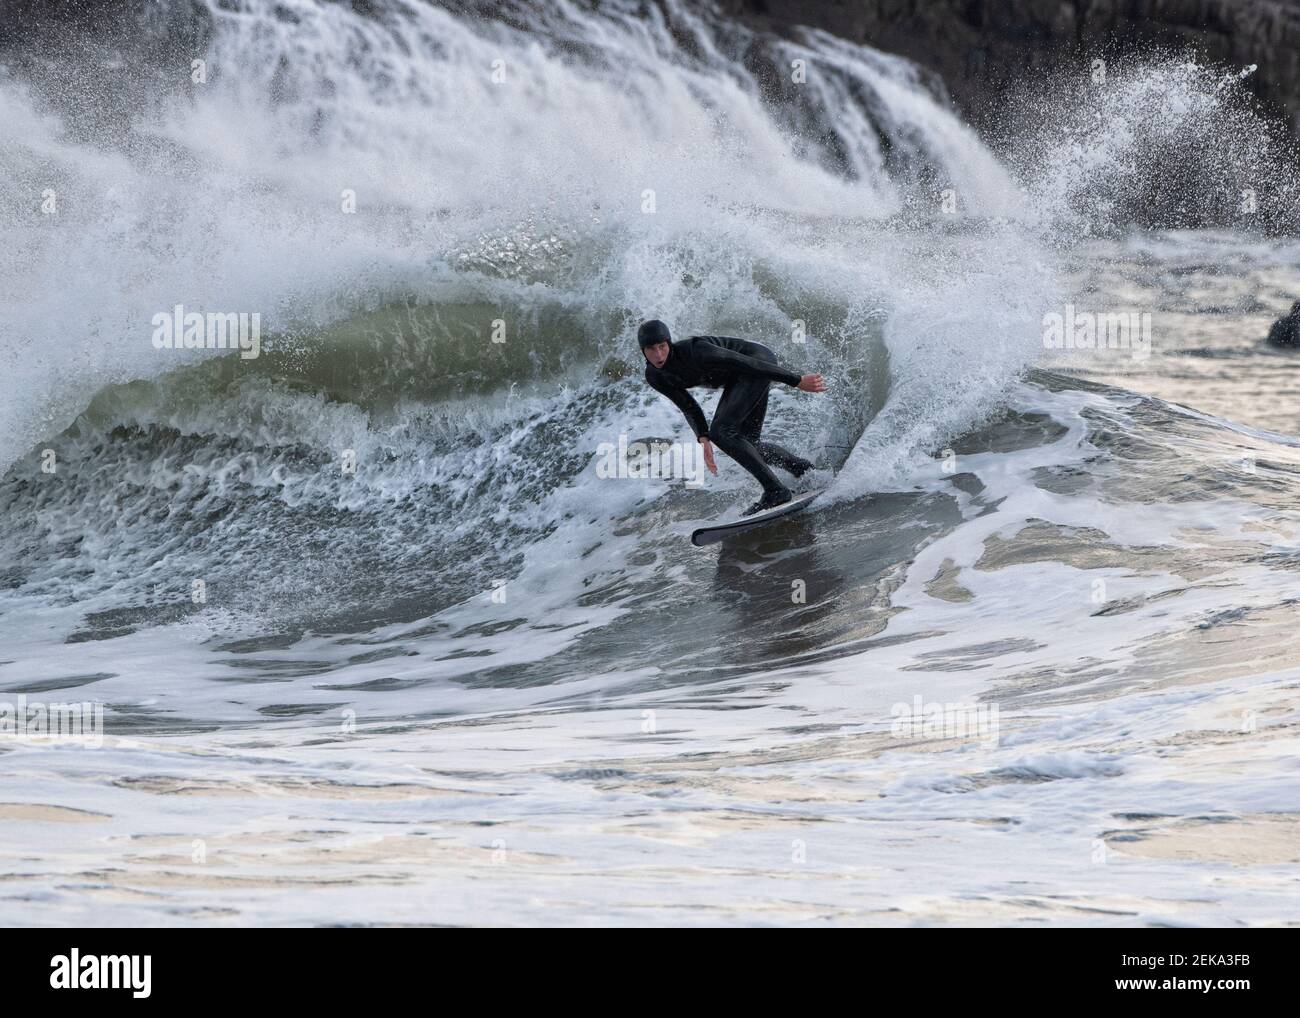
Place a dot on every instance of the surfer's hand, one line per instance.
(812, 383)
(708, 455)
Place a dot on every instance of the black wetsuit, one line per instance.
(744, 370)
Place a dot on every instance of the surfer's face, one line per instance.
(657, 354)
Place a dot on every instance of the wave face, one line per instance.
(554, 173)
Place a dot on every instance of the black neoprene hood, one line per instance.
(652, 332)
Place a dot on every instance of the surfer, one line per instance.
(744, 370)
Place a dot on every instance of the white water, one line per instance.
(227, 200)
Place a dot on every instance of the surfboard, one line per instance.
(715, 533)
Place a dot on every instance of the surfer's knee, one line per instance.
(723, 433)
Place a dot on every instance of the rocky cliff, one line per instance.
(983, 48)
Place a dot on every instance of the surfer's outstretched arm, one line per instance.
(740, 357)
(713, 356)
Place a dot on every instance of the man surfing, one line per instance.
(744, 370)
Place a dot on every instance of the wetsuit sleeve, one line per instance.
(712, 356)
(684, 402)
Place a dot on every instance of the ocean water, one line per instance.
(374, 640)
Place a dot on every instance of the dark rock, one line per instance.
(984, 48)
(1003, 61)
(1286, 330)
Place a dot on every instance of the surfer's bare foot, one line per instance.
(770, 500)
